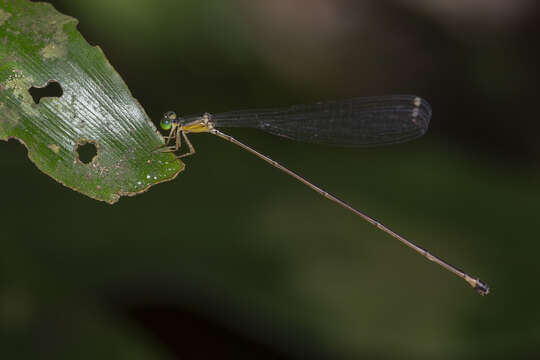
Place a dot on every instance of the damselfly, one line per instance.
(360, 122)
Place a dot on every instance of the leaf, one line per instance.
(41, 49)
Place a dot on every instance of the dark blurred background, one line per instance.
(233, 259)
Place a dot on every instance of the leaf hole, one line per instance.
(86, 151)
(51, 89)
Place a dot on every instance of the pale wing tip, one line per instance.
(421, 114)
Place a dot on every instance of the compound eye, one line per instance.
(165, 123)
(171, 115)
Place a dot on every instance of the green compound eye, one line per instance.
(167, 120)
(166, 123)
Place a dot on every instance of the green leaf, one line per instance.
(41, 48)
